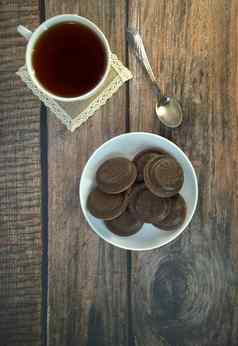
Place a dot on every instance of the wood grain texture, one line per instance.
(88, 300)
(186, 293)
(20, 186)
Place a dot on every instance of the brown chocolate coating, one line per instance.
(135, 190)
(163, 176)
(147, 206)
(116, 175)
(176, 216)
(141, 159)
(124, 225)
(105, 206)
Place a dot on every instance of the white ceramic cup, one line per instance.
(32, 38)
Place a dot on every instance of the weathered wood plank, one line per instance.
(87, 278)
(186, 293)
(20, 186)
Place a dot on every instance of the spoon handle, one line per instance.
(134, 39)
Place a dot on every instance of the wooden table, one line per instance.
(60, 284)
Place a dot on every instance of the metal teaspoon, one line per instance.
(168, 109)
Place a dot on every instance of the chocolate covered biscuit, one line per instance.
(176, 216)
(116, 175)
(105, 206)
(141, 159)
(147, 206)
(125, 225)
(163, 176)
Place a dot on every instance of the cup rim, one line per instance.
(45, 26)
(182, 153)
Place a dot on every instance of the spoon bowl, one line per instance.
(169, 113)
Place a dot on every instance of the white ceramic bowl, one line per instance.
(128, 145)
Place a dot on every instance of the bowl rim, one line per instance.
(163, 242)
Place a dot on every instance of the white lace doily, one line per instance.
(74, 114)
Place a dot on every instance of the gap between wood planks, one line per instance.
(127, 129)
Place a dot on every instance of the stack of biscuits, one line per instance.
(145, 190)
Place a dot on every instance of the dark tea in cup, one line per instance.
(69, 59)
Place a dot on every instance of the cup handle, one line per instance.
(24, 32)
